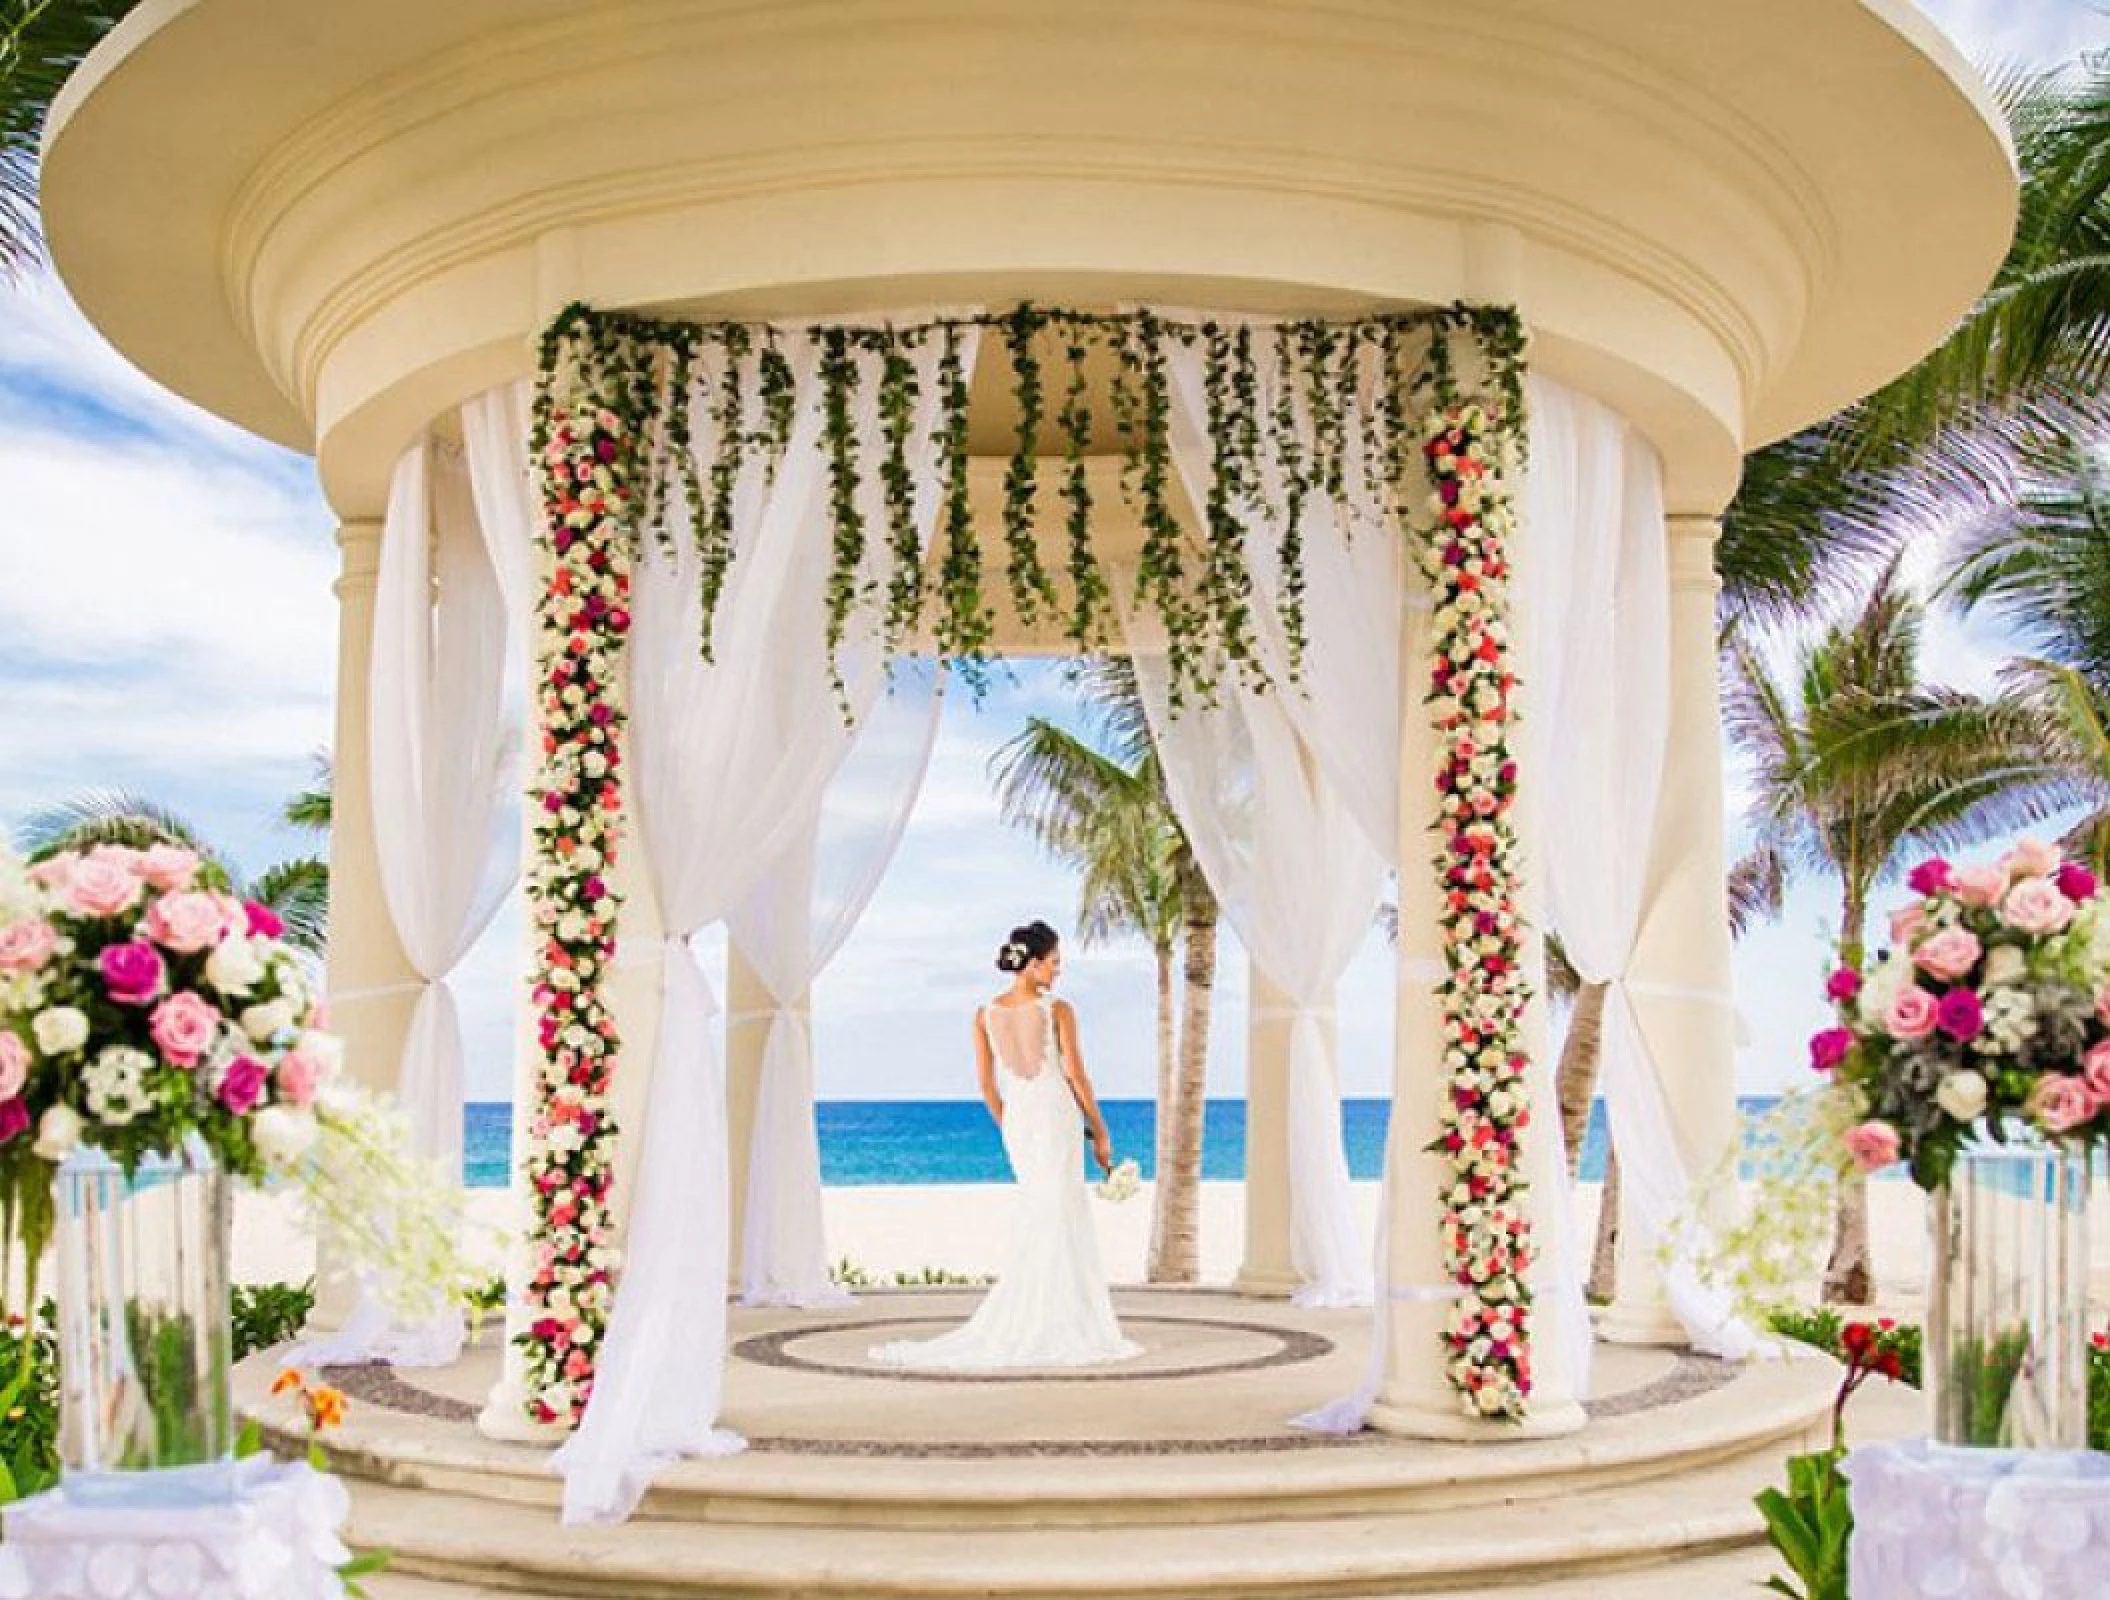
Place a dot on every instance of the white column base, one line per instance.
(1412, 1417)
(1640, 1322)
(505, 1418)
(1258, 1283)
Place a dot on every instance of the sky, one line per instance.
(167, 628)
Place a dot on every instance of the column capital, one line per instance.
(1692, 542)
(359, 553)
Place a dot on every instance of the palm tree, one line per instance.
(1099, 803)
(41, 42)
(297, 890)
(1856, 760)
(2042, 569)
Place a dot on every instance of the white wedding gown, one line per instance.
(1050, 1307)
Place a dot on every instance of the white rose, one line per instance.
(283, 1134)
(267, 1021)
(1962, 1095)
(60, 1029)
(1882, 987)
(233, 967)
(2004, 964)
(326, 1048)
(58, 1132)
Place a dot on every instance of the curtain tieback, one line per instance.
(1678, 991)
(754, 1014)
(1288, 1013)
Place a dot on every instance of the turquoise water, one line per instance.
(867, 1142)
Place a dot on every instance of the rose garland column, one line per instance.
(372, 988)
(1681, 979)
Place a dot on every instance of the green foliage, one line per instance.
(1328, 403)
(847, 1274)
(267, 1314)
(1820, 1327)
(1811, 1525)
(29, 1406)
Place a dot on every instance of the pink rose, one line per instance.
(14, 1064)
(101, 888)
(1980, 886)
(1842, 985)
(299, 1076)
(2095, 1072)
(2036, 905)
(1905, 922)
(183, 1026)
(26, 946)
(2032, 858)
(2076, 882)
(1829, 1048)
(1949, 954)
(132, 973)
(1912, 1013)
(187, 923)
(264, 923)
(2102, 1008)
(121, 856)
(14, 1120)
(243, 1085)
(1930, 877)
(1872, 1145)
(2060, 1103)
(52, 874)
(169, 867)
(1960, 1015)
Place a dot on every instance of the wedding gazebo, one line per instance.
(688, 377)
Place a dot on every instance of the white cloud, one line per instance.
(2031, 33)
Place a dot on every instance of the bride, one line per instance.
(1050, 1306)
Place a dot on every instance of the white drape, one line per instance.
(443, 767)
(789, 930)
(731, 758)
(1595, 594)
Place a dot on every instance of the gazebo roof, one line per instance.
(326, 221)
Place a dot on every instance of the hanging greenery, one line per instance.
(1299, 413)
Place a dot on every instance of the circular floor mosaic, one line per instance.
(1207, 1347)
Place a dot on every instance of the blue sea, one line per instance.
(867, 1142)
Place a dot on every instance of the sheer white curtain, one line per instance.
(790, 929)
(730, 762)
(1595, 591)
(1300, 884)
(444, 764)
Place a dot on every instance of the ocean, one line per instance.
(866, 1142)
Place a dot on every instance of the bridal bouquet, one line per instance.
(1121, 1183)
(142, 1007)
(1992, 1007)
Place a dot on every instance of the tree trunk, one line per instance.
(1578, 1071)
(1176, 1227)
(1603, 1284)
(1168, 1089)
(1850, 1275)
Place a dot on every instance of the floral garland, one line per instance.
(586, 469)
(1488, 1249)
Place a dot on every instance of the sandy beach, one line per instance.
(962, 1228)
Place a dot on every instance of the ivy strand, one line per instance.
(1300, 413)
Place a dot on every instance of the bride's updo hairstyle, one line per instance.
(1025, 946)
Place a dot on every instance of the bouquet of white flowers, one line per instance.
(1121, 1183)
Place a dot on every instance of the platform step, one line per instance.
(488, 1548)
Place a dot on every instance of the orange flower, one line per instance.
(289, 1379)
(325, 1407)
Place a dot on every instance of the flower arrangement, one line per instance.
(584, 620)
(1991, 1010)
(142, 1005)
(1121, 1183)
(1488, 1246)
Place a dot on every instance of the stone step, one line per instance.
(490, 1548)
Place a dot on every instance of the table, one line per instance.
(277, 1540)
(1933, 1522)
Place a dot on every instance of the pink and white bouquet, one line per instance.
(1990, 1012)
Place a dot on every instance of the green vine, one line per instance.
(1298, 414)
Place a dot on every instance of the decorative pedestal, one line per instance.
(275, 1540)
(1936, 1523)
(2007, 1335)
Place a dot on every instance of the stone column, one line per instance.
(1680, 979)
(749, 1007)
(1415, 1397)
(1268, 1269)
(371, 985)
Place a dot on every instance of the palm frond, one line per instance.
(299, 892)
(1758, 886)
(311, 808)
(106, 816)
(41, 42)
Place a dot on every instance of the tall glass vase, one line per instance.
(144, 1330)
(2007, 1326)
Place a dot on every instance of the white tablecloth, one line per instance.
(276, 1541)
(1933, 1522)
